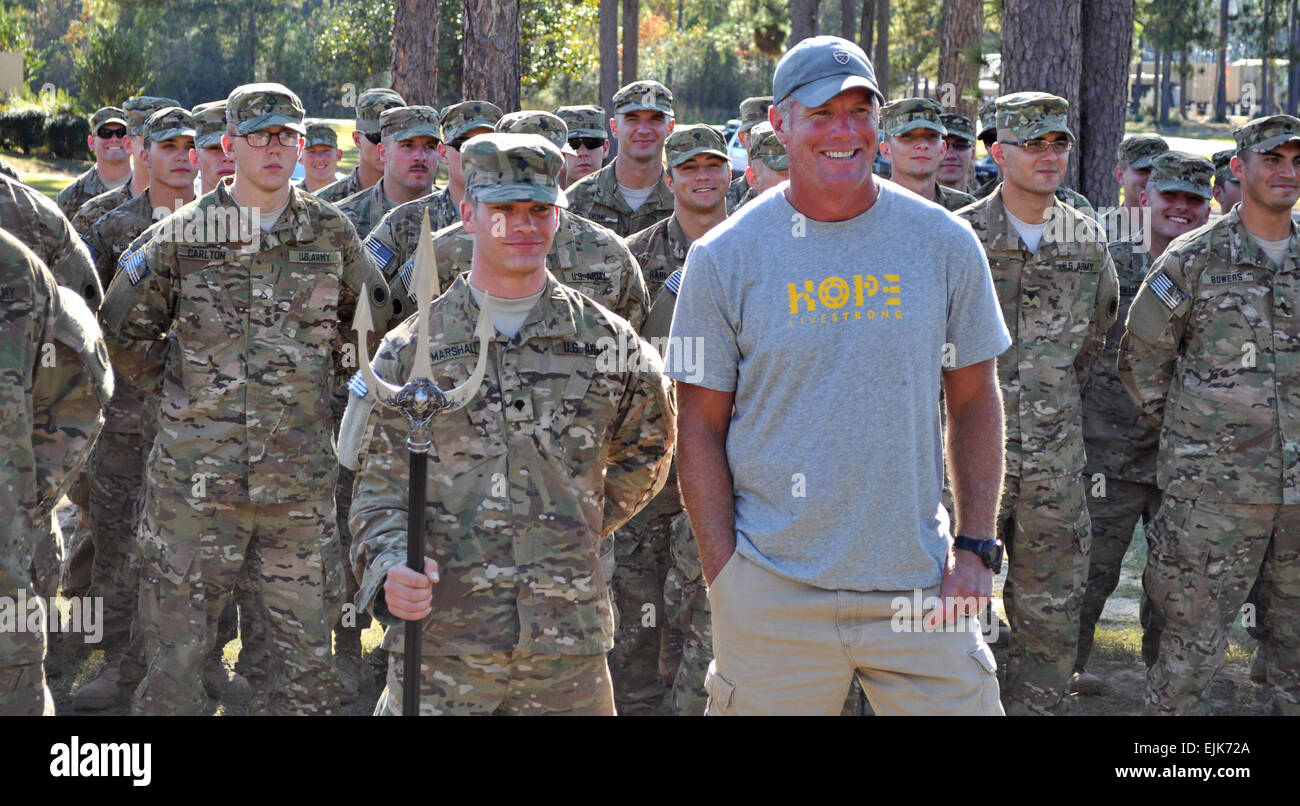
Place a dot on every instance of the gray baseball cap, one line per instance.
(821, 67)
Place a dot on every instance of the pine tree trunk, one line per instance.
(631, 33)
(608, 54)
(491, 48)
(415, 51)
(867, 30)
(960, 29)
(881, 60)
(803, 20)
(1221, 67)
(1042, 50)
(1293, 72)
(1108, 38)
(848, 18)
(1166, 87)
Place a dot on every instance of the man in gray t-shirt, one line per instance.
(812, 336)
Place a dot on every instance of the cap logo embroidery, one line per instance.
(841, 56)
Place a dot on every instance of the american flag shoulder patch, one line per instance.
(132, 262)
(408, 269)
(674, 281)
(381, 254)
(1166, 291)
(357, 385)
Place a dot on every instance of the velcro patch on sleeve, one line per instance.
(133, 264)
(380, 253)
(1167, 291)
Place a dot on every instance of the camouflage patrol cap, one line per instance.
(253, 107)
(168, 123)
(958, 125)
(107, 114)
(139, 108)
(691, 141)
(1222, 170)
(754, 111)
(583, 121)
(1264, 134)
(1173, 171)
(1033, 114)
(209, 123)
(988, 119)
(535, 121)
(404, 122)
(1137, 150)
(643, 95)
(906, 114)
(502, 167)
(320, 133)
(764, 146)
(466, 116)
(371, 104)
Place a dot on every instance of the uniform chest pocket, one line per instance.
(1228, 320)
(1057, 303)
(574, 403)
(210, 317)
(313, 316)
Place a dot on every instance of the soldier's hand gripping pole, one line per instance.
(419, 401)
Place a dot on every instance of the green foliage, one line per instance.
(560, 37)
(15, 37)
(66, 136)
(356, 42)
(115, 65)
(22, 128)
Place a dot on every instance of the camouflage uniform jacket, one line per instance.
(596, 197)
(1211, 354)
(749, 195)
(111, 236)
(91, 211)
(83, 189)
(1121, 444)
(1058, 304)
(584, 256)
(661, 250)
(737, 192)
(391, 243)
(656, 330)
(349, 185)
(949, 199)
(49, 416)
(35, 221)
(554, 452)
(244, 343)
(365, 209)
(1067, 196)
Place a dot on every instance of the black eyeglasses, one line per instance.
(458, 143)
(1038, 145)
(287, 137)
(589, 143)
(375, 138)
(109, 134)
(959, 144)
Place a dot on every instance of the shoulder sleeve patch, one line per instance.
(380, 253)
(1166, 290)
(132, 262)
(674, 281)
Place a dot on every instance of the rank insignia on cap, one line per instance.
(1169, 293)
(132, 263)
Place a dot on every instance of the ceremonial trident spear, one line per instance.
(419, 400)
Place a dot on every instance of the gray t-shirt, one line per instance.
(832, 337)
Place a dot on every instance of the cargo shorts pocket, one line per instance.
(720, 691)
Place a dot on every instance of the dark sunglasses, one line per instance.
(107, 133)
(374, 138)
(959, 144)
(589, 143)
(459, 143)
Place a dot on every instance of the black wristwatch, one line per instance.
(990, 551)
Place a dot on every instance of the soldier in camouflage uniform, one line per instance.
(1059, 297)
(396, 234)
(588, 143)
(1120, 444)
(408, 150)
(112, 168)
(320, 157)
(913, 144)
(242, 331)
(370, 105)
(643, 118)
(50, 414)
(955, 166)
(1208, 356)
(988, 135)
(115, 472)
(1227, 188)
(768, 166)
(209, 157)
(753, 111)
(560, 445)
(698, 168)
(1133, 168)
(137, 110)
